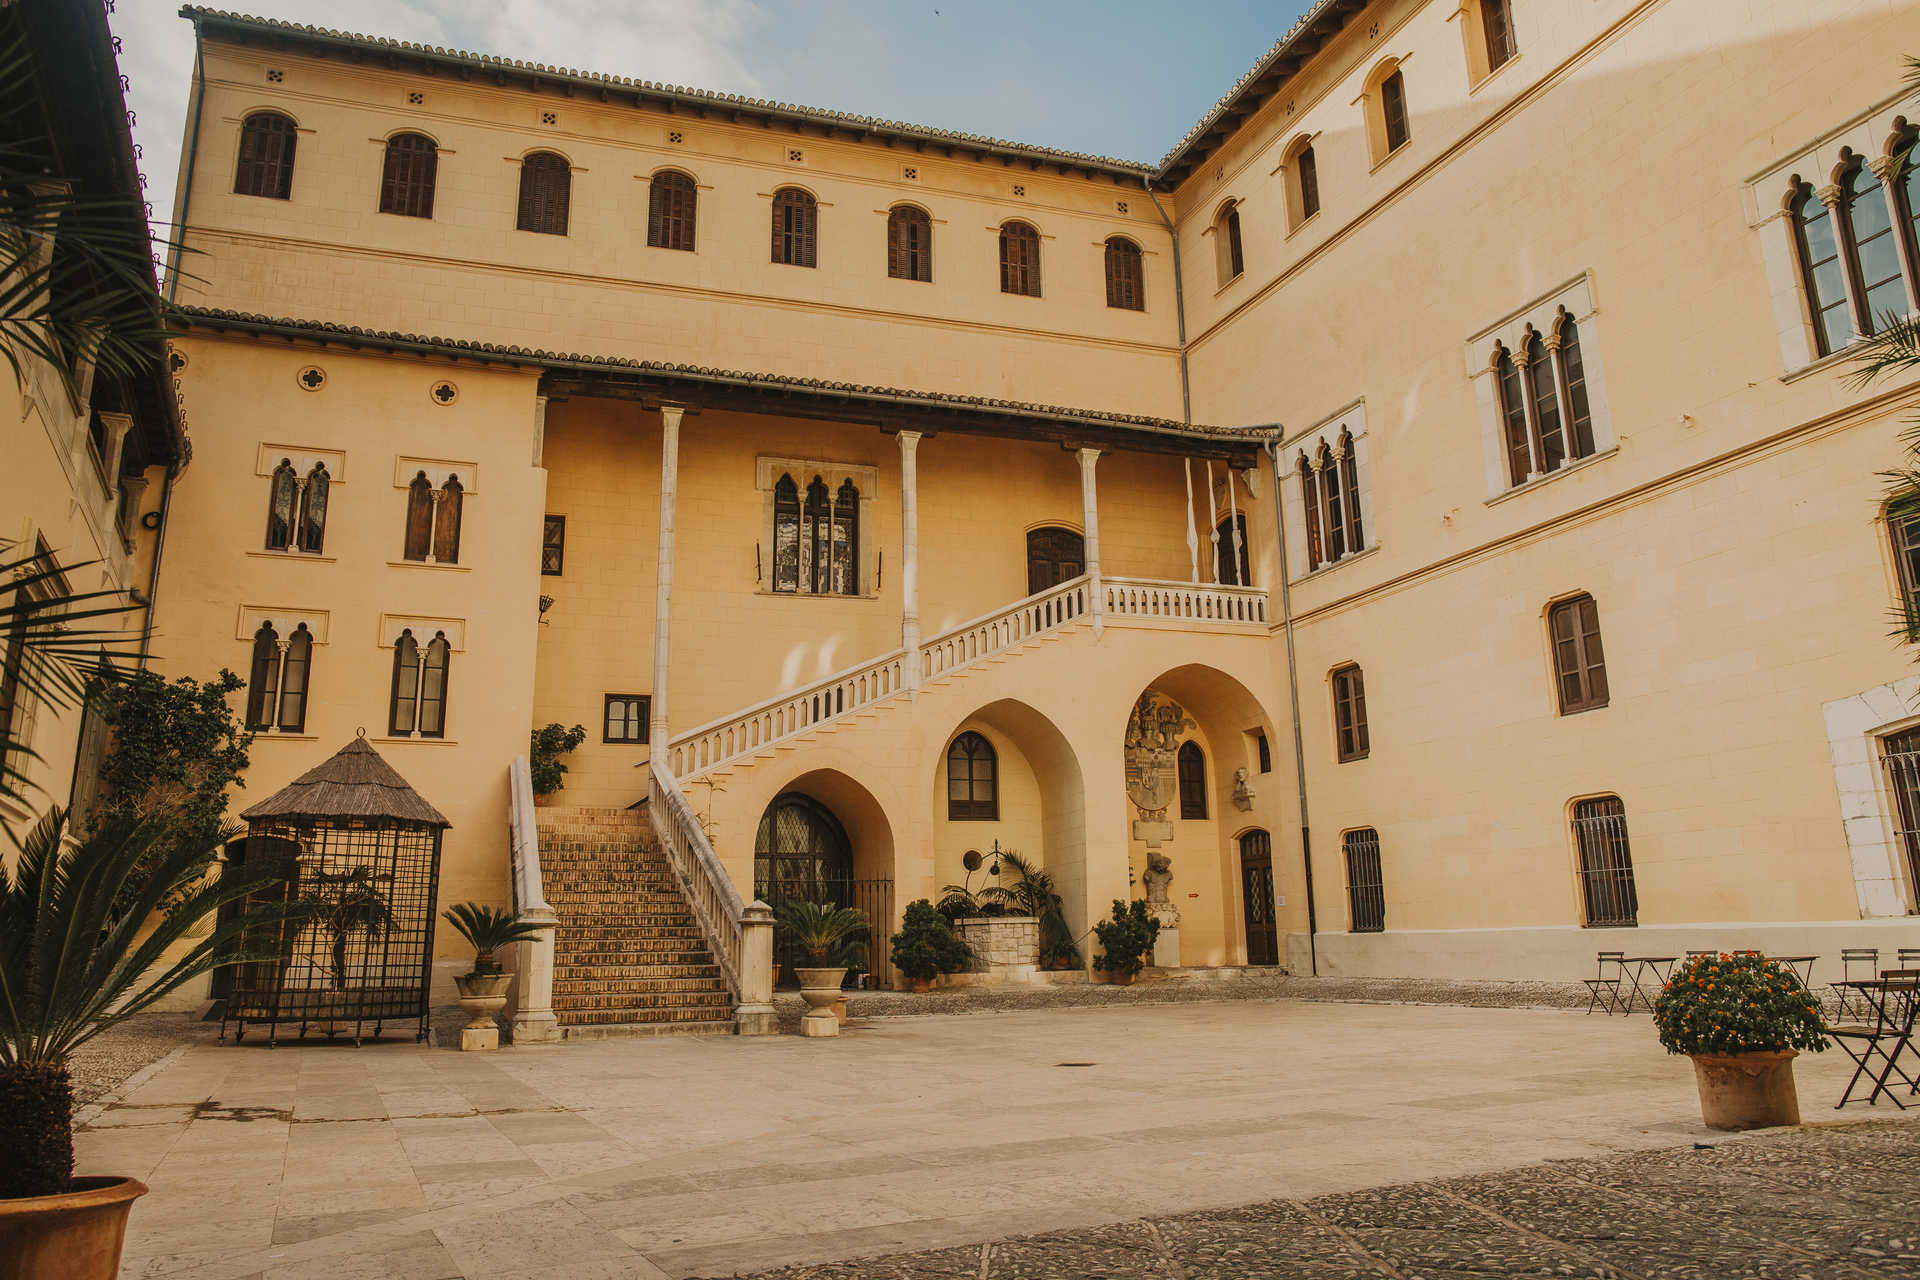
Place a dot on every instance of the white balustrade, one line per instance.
(533, 1017)
(1004, 629)
(1183, 601)
(760, 726)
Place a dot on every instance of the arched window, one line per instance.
(796, 226)
(786, 535)
(283, 500)
(1496, 23)
(433, 687)
(407, 178)
(1606, 863)
(404, 703)
(1875, 246)
(1821, 271)
(1019, 259)
(293, 681)
(1191, 765)
(446, 522)
(1126, 285)
(1228, 255)
(973, 782)
(801, 853)
(909, 243)
(845, 579)
(1351, 740)
(1573, 385)
(1393, 111)
(819, 531)
(1350, 483)
(419, 543)
(1231, 568)
(1366, 886)
(1310, 506)
(1303, 183)
(1054, 555)
(1550, 445)
(671, 198)
(419, 699)
(1333, 517)
(265, 166)
(313, 509)
(546, 189)
(263, 683)
(1903, 527)
(1513, 415)
(1906, 189)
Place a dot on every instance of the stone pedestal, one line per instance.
(1151, 833)
(479, 1039)
(1166, 947)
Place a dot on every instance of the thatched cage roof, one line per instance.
(353, 783)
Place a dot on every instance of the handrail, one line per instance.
(523, 843)
(705, 884)
(1005, 627)
(1183, 601)
(784, 715)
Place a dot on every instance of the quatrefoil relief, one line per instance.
(443, 392)
(311, 378)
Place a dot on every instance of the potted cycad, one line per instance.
(70, 967)
(483, 990)
(1125, 941)
(821, 932)
(926, 946)
(1742, 1019)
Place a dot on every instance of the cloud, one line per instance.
(667, 40)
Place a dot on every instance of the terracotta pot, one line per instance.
(76, 1236)
(1746, 1090)
(1120, 978)
(921, 985)
(820, 988)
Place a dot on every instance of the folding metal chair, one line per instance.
(1851, 1002)
(1605, 991)
(1866, 1042)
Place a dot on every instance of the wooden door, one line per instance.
(1256, 887)
(1054, 556)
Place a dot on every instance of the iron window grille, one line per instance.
(627, 716)
(1366, 891)
(553, 546)
(1606, 864)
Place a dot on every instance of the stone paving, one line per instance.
(710, 1156)
(1807, 1204)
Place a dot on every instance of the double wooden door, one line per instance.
(1256, 889)
(1054, 556)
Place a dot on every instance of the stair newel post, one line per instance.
(754, 1015)
(1090, 519)
(534, 1020)
(663, 594)
(910, 554)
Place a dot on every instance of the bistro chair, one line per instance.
(1883, 1038)
(1605, 991)
(1851, 1002)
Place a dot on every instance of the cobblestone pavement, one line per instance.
(1816, 1203)
(105, 1062)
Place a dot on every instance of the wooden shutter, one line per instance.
(1393, 104)
(546, 183)
(1309, 170)
(265, 166)
(419, 540)
(1497, 19)
(909, 244)
(795, 219)
(1125, 288)
(408, 177)
(1578, 662)
(1350, 714)
(671, 199)
(446, 522)
(1020, 259)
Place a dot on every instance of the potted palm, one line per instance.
(821, 932)
(70, 967)
(1125, 941)
(483, 990)
(1742, 1019)
(926, 946)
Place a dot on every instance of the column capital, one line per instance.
(1885, 168)
(1830, 195)
(906, 435)
(672, 413)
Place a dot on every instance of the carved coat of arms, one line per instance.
(1153, 741)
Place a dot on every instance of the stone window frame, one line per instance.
(1768, 196)
(438, 472)
(284, 620)
(1351, 423)
(1512, 333)
(1856, 727)
(767, 470)
(303, 459)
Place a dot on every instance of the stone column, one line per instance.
(1090, 524)
(754, 1015)
(1193, 537)
(910, 554)
(663, 594)
(539, 431)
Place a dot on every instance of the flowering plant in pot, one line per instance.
(926, 946)
(483, 990)
(1126, 940)
(1742, 1018)
(86, 943)
(822, 933)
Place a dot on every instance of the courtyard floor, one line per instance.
(710, 1156)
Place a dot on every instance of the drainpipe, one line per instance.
(153, 570)
(1179, 301)
(185, 196)
(1293, 692)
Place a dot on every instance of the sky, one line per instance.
(1121, 78)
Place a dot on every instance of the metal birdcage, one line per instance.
(360, 849)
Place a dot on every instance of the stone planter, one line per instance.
(1005, 948)
(482, 996)
(1746, 1090)
(76, 1236)
(820, 988)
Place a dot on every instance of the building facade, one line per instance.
(848, 479)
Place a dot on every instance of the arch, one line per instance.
(294, 673)
(1303, 179)
(283, 496)
(1055, 554)
(1513, 415)
(672, 201)
(801, 851)
(909, 243)
(1821, 272)
(786, 534)
(1389, 120)
(973, 779)
(1350, 482)
(1229, 254)
(408, 174)
(263, 681)
(1577, 406)
(796, 227)
(446, 521)
(546, 193)
(836, 846)
(1126, 280)
(419, 535)
(1872, 243)
(314, 494)
(1019, 258)
(264, 165)
(434, 672)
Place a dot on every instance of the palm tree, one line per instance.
(70, 967)
(357, 907)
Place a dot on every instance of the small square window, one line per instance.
(553, 546)
(626, 719)
(796, 155)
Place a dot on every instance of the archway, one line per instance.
(824, 838)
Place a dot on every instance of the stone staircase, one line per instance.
(629, 957)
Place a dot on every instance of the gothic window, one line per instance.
(786, 535)
(553, 546)
(1579, 666)
(404, 702)
(433, 688)
(297, 508)
(1550, 446)
(283, 501)
(1573, 385)
(1875, 248)
(263, 685)
(1513, 417)
(446, 522)
(546, 190)
(293, 680)
(418, 702)
(1351, 741)
(846, 541)
(671, 199)
(1126, 287)
(1350, 482)
(407, 177)
(419, 543)
(1231, 564)
(973, 786)
(313, 509)
(1821, 271)
(909, 243)
(1019, 259)
(1191, 765)
(277, 681)
(1903, 524)
(1906, 195)
(265, 167)
(796, 223)
(1333, 504)
(1310, 504)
